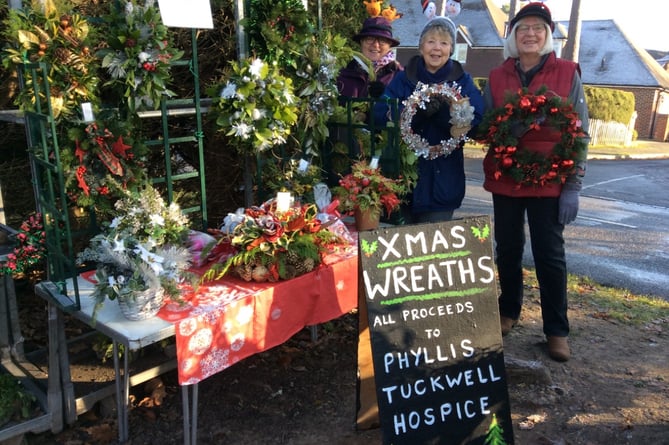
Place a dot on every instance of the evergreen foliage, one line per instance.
(608, 104)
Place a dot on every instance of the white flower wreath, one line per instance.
(462, 114)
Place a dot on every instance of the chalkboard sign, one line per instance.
(436, 342)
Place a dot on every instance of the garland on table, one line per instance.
(524, 111)
(462, 114)
(269, 245)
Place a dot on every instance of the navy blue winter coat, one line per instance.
(441, 181)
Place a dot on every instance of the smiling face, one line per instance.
(375, 47)
(436, 47)
(531, 35)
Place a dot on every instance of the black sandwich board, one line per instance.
(436, 343)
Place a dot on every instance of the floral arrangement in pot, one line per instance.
(366, 189)
(141, 257)
(139, 52)
(271, 245)
(29, 248)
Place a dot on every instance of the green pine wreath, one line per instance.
(529, 112)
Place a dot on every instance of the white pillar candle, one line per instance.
(283, 201)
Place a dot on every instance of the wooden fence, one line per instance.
(610, 133)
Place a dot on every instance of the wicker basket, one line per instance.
(142, 305)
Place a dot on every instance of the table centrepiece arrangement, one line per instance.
(141, 256)
(366, 193)
(266, 243)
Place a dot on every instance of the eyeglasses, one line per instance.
(372, 40)
(537, 29)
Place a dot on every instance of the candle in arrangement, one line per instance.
(283, 200)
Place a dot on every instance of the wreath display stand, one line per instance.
(61, 289)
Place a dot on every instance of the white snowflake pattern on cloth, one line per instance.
(238, 342)
(209, 314)
(215, 361)
(341, 284)
(245, 315)
(218, 295)
(188, 365)
(176, 307)
(187, 327)
(200, 341)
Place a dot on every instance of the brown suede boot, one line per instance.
(507, 324)
(558, 349)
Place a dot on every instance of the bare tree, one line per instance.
(574, 38)
(513, 7)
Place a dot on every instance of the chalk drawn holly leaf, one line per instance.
(369, 248)
(482, 233)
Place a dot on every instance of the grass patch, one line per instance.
(610, 302)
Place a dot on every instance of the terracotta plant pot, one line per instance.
(366, 220)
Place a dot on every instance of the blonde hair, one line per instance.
(511, 49)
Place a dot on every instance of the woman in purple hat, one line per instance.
(376, 42)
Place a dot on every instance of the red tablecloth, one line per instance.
(228, 320)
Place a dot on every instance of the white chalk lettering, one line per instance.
(437, 311)
(462, 409)
(485, 264)
(440, 383)
(417, 244)
(421, 355)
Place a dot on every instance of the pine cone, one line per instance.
(244, 271)
(293, 258)
(309, 264)
(300, 268)
(63, 55)
(260, 273)
(290, 272)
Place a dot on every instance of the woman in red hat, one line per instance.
(523, 175)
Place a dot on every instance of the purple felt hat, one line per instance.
(377, 27)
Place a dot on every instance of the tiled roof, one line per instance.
(480, 21)
(608, 57)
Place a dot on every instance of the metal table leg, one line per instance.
(190, 414)
(122, 392)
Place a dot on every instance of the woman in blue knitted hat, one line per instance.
(440, 107)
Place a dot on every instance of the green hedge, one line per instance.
(608, 104)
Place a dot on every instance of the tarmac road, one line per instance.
(621, 235)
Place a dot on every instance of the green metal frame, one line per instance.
(48, 181)
(172, 107)
(49, 185)
(388, 150)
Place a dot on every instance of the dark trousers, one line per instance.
(547, 250)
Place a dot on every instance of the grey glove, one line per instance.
(568, 204)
